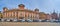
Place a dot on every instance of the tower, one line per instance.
(36, 10)
(54, 15)
(21, 6)
(5, 9)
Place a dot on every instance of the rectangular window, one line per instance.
(14, 14)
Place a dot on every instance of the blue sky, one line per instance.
(46, 6)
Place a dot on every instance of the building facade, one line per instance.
(42, 15)
(54, 15)
(48, 16)
(59, 16)
(0, 15)
(20, 13)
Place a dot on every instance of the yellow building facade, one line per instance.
(42, 15)
(1, 15)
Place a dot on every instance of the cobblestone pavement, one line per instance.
(28, 24)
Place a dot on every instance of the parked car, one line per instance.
(28, 20)
(8, 20)
(56, 21)
(21, 20)
(11, 20)
(15, 20)
(48, 20)
(40, 20)
(0, 19)
(45, 21)
(35, 20)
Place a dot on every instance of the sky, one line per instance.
(47, 6)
